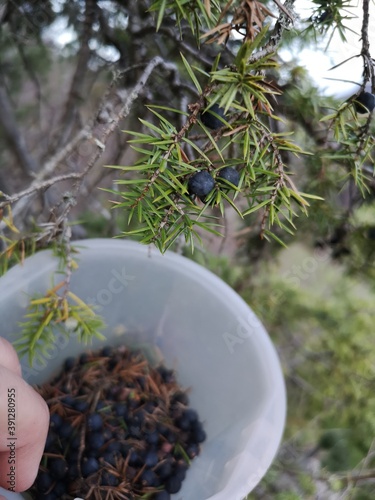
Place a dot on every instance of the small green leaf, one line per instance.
(162, 7)
(191, 74)
(255, 208)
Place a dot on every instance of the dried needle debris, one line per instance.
(119, 429)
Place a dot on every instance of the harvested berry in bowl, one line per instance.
(119, 429)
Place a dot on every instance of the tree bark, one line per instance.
(13, 134)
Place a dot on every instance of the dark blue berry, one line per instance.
(66, 430)
(210, 120)
(167, 375)
(149, 407)
(180, 474)
(72, 455)
(94, 422)
(183, 423)
(50, 441)
(139, 417)
(325, 17)
(173, 484)
(162, 495)
(135, 459)
(112, 363)
(103, 407)
(181, 465)
(171, 437)
(51, 496)
(110, 458)
(55, 421)
(69, 364)
(198, 434)
(73, 472)
(364, 103)
(163, 429)
(152, 437)
(180, 470)
(190, 414)
(57, 468)
(92, 453)
(80, 405)
(107, 351)
(89, 466)
(135, 431)
(109, 479)
(121, 410)
(60, 489)
(84, 358)
(151, 459)
(44, 482)
(75, 442)
(125, 449)
(165, 468)
(192, 450)
(68, 401)
(180, 397)
(229, 174)
(149, 478)
(113, 446)
(142, 382)
(201, 183)
(95, 440)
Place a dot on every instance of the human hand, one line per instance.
(24, 421)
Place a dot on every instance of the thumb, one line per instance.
(24, 419)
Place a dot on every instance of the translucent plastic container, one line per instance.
(202, 329)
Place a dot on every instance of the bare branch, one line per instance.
(368, 64)
(56, 159)
(38, 184)
(124, 111)
(354, 477)
(283, 23)
(284, 9)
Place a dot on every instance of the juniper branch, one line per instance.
(195, 109)
(283, 23)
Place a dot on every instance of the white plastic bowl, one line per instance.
(203, 329)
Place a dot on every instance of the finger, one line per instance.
(8, 357)
(21, 446)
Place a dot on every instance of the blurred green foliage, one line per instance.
(323, 331)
